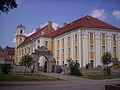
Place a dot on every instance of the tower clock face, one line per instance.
(42, 33)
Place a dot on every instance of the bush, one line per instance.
(58, 69)
(5, 68)
(106, 60)
(107, 71)
(87, 66)
(74, 68)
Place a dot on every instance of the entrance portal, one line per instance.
(43, 57)
(42, 64)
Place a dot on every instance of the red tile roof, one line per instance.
(38, 33)
(86, 21)
(11, 49)
(6, 57)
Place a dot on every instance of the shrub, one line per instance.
(74, 68)
(106, 60)
(115, 63)
(26, 61)
(87, 66)
(5, 68)
(58, 69)
(107, 71)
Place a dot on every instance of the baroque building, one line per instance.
(84, 40)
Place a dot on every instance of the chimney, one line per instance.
(65, 24)
(50, 23)
(50, 28)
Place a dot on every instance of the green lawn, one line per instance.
(100, 77)
(26, 77)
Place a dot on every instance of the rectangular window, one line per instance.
(46, 43)
(114, 37)
(91, 36)
(103, 49)
(22, 51)
(68, 39)
(63, 51)
(114, 50)
(25, 50)
(63, 41)
(57, 52)
(63, 62)
(69, 50)
(29, 49)
(57, 62)
(38, 41)
(75, 49)
(75, 36)
(91, 48)
(103, 36)
(57, 42)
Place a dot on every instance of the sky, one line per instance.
(36, 13)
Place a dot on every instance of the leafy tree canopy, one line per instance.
(5, 5)
(106, 58)
(26, 60)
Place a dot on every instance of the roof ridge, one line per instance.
(87, 21)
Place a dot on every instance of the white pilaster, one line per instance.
(118, 47)
(72, 46)
(65, 50)
(60, 50)
(97, 52)
(79, 49)
(109, 42)
(85, 48)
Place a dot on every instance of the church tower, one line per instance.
(20, 34)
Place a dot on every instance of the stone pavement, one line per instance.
(69, 83)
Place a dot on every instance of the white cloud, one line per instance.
(14, 40)
(55, 25)
(98, 13)
(116, 13)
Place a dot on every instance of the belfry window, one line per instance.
(21, 31)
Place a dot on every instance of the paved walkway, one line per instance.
(69, 83)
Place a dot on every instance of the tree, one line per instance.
(26, 61)
(74, 67)
(5, 5)
(106, 60)
(5, 68)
